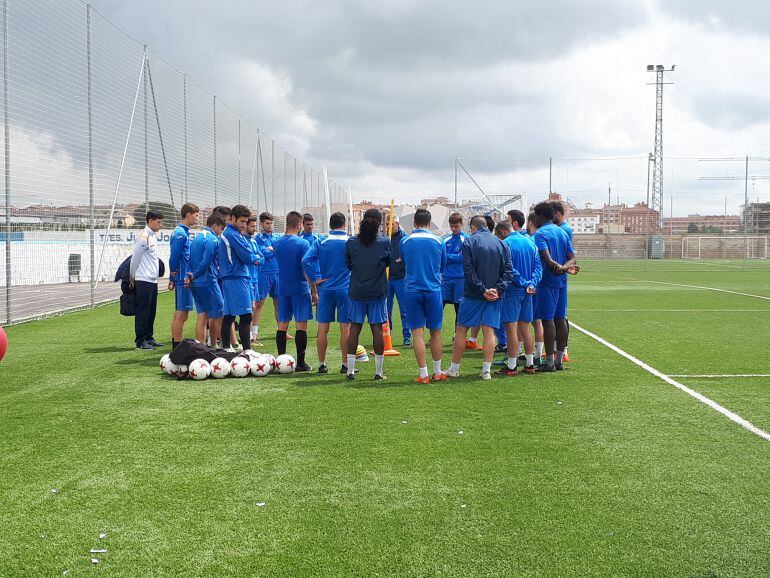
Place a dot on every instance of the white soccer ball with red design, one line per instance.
(285, 363)
(167, 366)
(220, 368)
(270, 358)
(251, 354)
(199, 369)
(181, 371)
(261, 366)
(239, 367)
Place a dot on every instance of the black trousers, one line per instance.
(146, 305)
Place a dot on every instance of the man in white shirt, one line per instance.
(144, 278)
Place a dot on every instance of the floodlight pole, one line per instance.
(745, 208)
(91, 216)
(657, 172)
(455, 182)
(327, 199)
(7, 168)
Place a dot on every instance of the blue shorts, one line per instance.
(237, 294)
(452, 290)
(475, 312)
(208, 300)
(333, 301)
(375, 311)
(424, 309)
(516, 307)
(183, 299)
(268, 285)
(254, 290)
(551, 303)
(298, 307)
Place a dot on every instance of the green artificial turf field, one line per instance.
(601, 469)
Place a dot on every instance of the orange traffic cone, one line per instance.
(389, 351)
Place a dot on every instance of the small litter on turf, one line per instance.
(463, 506)
(54, 490)
(403, 421)
(98, 550)
(558, 402)
(461, 432)
(260, 504)
(94, 560)
(67, 571)
(102, 536)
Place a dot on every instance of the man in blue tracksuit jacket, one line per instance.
(308, 223)
(251, 237)
(517, 310)
(235, 256)
(560, 220)
(453, 281)
(178, 262)
(396, 274)
(488, 273)
(203, 279)
(324, 265)
(268, 271)
(425, 259)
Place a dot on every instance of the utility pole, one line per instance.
(657, 172)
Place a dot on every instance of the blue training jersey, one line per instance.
(525, 260)
(557, 242)
(234, 254)
(326, 260)
(289, 251)
(265, 242)
(311, 238)
(424, 256)
(203, 262)
(180, 253)
(257, 256)
(567, 229)
(454, 255)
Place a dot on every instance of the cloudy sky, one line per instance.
(387, 94)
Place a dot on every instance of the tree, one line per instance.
(692, 228)
(170, 213)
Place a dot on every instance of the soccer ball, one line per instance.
(220, 368)
(167, 366)
(250, 354)
(270, 359)
(239, 367)
(261, 366)
(285, 363)
(181, 371)
(199, 369)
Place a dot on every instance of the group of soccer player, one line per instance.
(507, 281)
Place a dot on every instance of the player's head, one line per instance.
(531, 227)
(308, 222)
(337, 221)
(422, 218)
(222, 210)
(370, 226)
(251, 225)
(154, 220)
(266, 222)
(189, 213)
(503, 229)
(543, 213)
(293, 223)
(396, 225)
(516, 219)
(239, 217)
(478, 223)
(216, 222)
(455, 223)
(558, 212)
(490, 223)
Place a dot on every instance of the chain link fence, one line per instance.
(97, 130)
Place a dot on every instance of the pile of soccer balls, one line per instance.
(247, 363)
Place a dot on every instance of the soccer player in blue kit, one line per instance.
(558, 258)
(308, 223)
(203, 279)
(251, 237)
(324, 265)
(177, 263)
(425, 259)
(294, 296)
(560, 219)
(268, 271)
(453, 280)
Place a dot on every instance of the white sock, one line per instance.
(351, 364)
(454, 366)
(530, 359)
(423, 372)
(565, 351)
(539, 348)
(473, 339)
(255, 329)
(511, 363)
(521, 349)
(486, 367)
(379, 361)
(555, 346)
(436, 366)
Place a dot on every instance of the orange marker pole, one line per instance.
(389, 351)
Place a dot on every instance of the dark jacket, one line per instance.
(367, 268)
(487, 265)
(397, 267)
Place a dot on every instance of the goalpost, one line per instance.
(704, 247)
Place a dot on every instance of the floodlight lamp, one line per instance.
(660, 67)
(673, 66)
(650, 68)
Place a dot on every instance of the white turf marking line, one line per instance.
(700, 397)
(674, 310)
(718, 375)
(711, 289)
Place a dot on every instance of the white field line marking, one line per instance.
(718, 375)
(675, 310)
(700, 397)
(711, 289)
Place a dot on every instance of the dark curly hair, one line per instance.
(370, 226)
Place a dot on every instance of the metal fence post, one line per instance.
(91, 219)
(215, 150)
(146, 150)
(8, 316)
(185, 197)
(239, 160)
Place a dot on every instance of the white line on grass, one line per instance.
(718, 375)
(700, 397)
(711, 289)
(675, 310)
